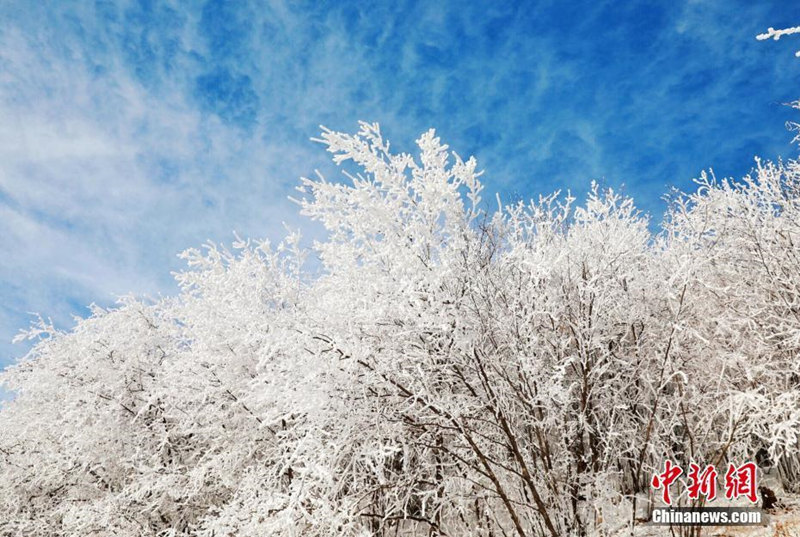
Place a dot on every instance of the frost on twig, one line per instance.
(777, 34)
(447, 371)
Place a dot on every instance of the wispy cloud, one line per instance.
(132, 130)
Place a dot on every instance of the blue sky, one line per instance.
(133, 130)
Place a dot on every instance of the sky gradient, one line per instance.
(133, 130)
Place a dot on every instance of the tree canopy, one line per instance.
(447, 370)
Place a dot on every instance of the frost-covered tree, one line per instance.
(774, 34)
(446, 370)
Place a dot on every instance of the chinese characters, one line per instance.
(739, 481)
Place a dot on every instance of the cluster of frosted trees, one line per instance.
(444, 371)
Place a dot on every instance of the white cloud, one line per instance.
(103, 182)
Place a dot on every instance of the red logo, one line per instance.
(739, 481)
(665, 479)
(704, 483)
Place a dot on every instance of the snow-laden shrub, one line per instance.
(448, 371)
